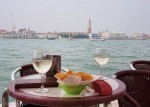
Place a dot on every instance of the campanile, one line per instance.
(89, 30)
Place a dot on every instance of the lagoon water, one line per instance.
(77, 54)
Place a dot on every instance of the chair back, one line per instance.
(56, 67)
(137, 86)
(140, 65)
(27, 70)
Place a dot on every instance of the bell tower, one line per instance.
(89, 30)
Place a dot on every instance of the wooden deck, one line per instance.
(114, 104)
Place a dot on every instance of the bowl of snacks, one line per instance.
(73, 89)
(73, 82)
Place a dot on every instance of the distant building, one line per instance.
(118, 35)
(141, 36)
(132, 37)
(112, 35)
(22, 33)
(89, 30)
(7, 34)
(105, 35)
(41, 35)
(26, 34)
(29, 34)
(47, 35)
(3, 33)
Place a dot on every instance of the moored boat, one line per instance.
(69, 38)
(51, 38)
(95, 36)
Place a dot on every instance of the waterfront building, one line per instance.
(3, 33)
(14, 34)
(47, 35)
(141, 36)
(7, 34)
(118, 35)
(26, 34)
(31, 34)
(51, 35)
(22, 33)
(105, 35)
(41, 35)
(114, 35)
(132, 37)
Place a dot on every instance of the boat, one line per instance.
(69, 38)
(102, 39)
(51, 38)
(95, 36)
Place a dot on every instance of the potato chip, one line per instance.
(84, 76)
(70, 72)
(61, 76)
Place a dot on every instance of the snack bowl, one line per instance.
(73, 89)
(74, 82)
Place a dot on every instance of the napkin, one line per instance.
(101, 87)
(73, 80)
(35, 83)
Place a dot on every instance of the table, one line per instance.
(57, 98)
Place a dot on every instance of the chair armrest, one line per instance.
(64, 69)
(19, 68)
(14, 72)
(131, 66)
(5, 99)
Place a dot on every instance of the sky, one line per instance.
(128, 16)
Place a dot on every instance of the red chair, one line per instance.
(137, 88)
(140, 65)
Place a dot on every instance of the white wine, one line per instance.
(102, 61)
(42, 65)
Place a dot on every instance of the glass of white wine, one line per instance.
(101, 56)
(42, 62)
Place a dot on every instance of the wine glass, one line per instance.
(102, 56)
(42, 62)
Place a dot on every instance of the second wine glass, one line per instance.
(42, 62)
(101, 56)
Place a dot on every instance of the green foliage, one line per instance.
(78, 36)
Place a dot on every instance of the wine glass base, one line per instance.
(42, 90)
(103, 78)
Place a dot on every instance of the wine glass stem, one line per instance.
(101, 71)
(42, 81)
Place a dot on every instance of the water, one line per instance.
(76, 54)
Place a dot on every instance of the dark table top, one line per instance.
(50, 99)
